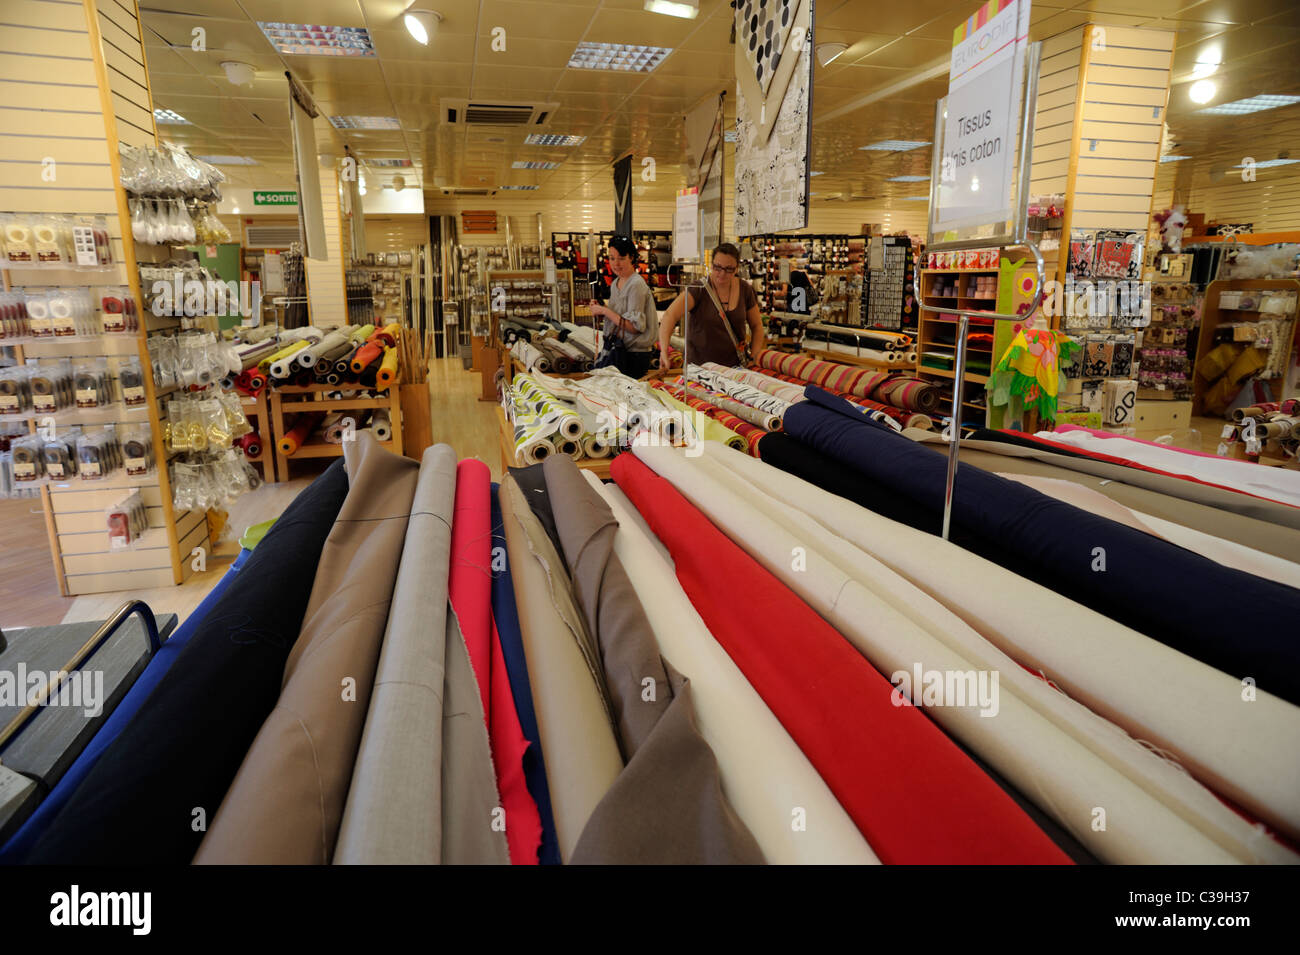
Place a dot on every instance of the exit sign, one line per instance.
(268, 198)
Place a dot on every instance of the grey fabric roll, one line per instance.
(19, 797)
(393, 813)
(666, 807)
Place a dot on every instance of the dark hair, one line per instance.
(726, 248)
(624, 246)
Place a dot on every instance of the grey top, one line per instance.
(636, 304)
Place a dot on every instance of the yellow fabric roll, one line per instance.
(285, 352)
(705, 427)
(387, 369)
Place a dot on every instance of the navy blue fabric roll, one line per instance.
(182, 749)
(1132, 577)
(22, 840)
(506, 615)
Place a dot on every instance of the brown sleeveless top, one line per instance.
(708, 339)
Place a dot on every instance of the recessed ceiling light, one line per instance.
(617, 56)
(518, 188)
(534, 164)
(421, 24)
(1266, 163)
(554, 139)
(915, 198)
(817, 173)
(686, 9)
(307, 39)
(1202, 91)
(388, 163)
(1174, 158)
(364, 122)
(167, 116)
(909, 179)
(228, 160)
(1253, 104)
(235, 211)
(1207, 62)
(895, 145)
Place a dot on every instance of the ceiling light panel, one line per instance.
(1174, 158)
(1267, 163)
(894, 145)
(554, 139)
(228, 160)
(534, 164)
(307, 39)
(909, 179)
(364, 122)
(617, 56)
(167, 116)
(915, 198)
(388, 163)
(518, 188)
(1254, 104)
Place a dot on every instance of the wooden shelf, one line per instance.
(324, 449)
(846, 359)
(970, 378)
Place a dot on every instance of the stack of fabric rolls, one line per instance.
(558, 670)
(350, 355)
(890, 348)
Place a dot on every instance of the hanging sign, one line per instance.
(266, 197)
(686, 225)
(983, 116)
(623, 196)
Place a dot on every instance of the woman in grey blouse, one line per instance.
(630, 315)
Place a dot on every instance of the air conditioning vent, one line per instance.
(271, 236)
(461, 112)
(468, 192)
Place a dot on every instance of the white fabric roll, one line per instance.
(1195, 713)
(773, 386)
(309, 355)
(381, 426)
(764, 773)
(1068, 760)
(857, 351)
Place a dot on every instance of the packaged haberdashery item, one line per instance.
(91, 383)
(137, 451)
(15, 389)
(130, 378)
(52, 241)
(37, 305)
(13, 315)
(19, 244)
(28, 458)
(51, 384)
(98, 454)
(215, 427)
(236, 420)
(60, 455)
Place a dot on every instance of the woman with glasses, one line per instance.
(720, 313)
(631, 320)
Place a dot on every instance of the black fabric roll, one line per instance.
(182, 750)
(1130, 576)
(532, 482)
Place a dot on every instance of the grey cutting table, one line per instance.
(34, 760)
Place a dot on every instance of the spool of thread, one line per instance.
(374, 346)
(381, 426)
(387, 369)
(303, 426)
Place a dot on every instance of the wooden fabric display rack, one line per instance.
(295, 400)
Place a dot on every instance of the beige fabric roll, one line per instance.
(1244, 751)
(1226, 552)
(573, 721)
(1066, 759)
(285, 804)
(765, 775)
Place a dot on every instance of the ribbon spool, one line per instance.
(38, 308)
(135, 448)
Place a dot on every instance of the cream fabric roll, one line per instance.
(1226, 552)
(784, 390)
(1066, 759)
(1245, 752)
(573, 722)
(764, 773)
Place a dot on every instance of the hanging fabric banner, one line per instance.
(623, 196)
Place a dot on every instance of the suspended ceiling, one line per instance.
(883, 87)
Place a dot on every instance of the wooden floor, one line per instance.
(29, 595)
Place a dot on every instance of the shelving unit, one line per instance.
(294, 400)
(1213, 315)
(936, 332)
(257, 409)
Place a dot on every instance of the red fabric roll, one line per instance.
(469, 585)
(751, 433)
(829, 375)
(916, 797)
(900, 415)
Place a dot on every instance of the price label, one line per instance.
(133, 396)
(24, 471)
(9, 404)
(1228, 432)
(114, 322)
(90, 469)
(43, 402)
(55, 468)
(1221, 450)
(137, 466)
(41, 327)
(87, 398)
(65, 327)
(1254, 446)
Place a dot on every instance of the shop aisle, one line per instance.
(29, 594)
(459, 417)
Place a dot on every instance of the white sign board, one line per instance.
(686, 226)
(980, 128)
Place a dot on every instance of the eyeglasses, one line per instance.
(728, 269)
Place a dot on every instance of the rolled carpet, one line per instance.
(914, 796)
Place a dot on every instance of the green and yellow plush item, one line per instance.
(1031, 370)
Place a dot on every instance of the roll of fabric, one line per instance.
(667, 806)
(279, 364)
(996, 511)
(250, 356)
(505, 616)
(303, 426)
(374, 347)
(937, 806)
(749, 434)
(381, 426)
(251, 444)
(336, 342)
(905, 419)
(387, 369)
(530, 357)
(394, 812)
(857, 351)
(763, 382)
(183, 748)
(542, 403)
(872, 338)
(470, 589)
(913, 394)
(753, 397)
(582, 754)
(842, 378)
(1067, 759)
(567, 446)
(759, 419)
(286, 802)
(594, 447)
(764, 773)
(332, 429)
(1140, 685)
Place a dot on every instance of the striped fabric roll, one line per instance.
(904, 391)
(753, 397)
(784, 387)
(759, 419)
(908, 419)
(840, 378)
(749, 432)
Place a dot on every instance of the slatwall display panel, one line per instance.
(1058, 85)
(401, 233)
(326, 293)
(1124, 100)
(51, 109)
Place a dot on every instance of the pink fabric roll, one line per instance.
(469, 586)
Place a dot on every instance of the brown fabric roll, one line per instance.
(1263, 535)
(286, 802)
(1218, 359)
(573, 722)
(667, 806)
(1248, 364)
